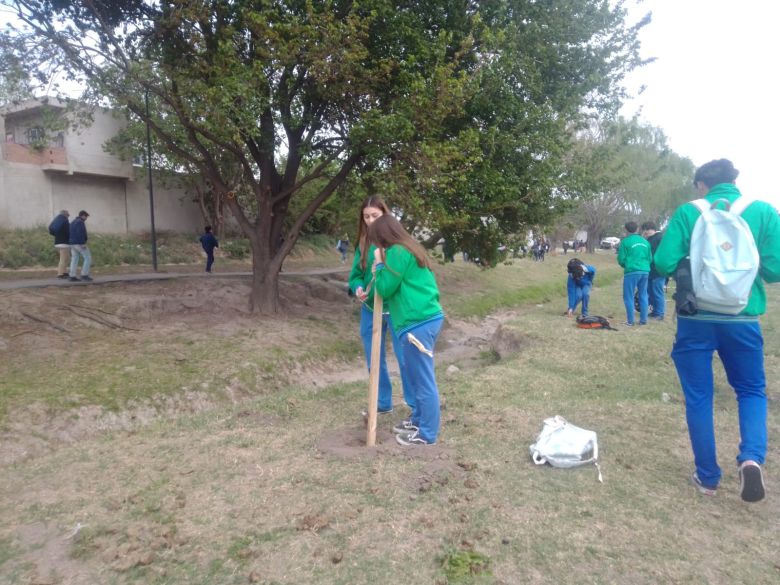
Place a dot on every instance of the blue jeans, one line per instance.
(634, 281)
(209, 260)
(420, 375)
(657, 296)
(740, 347)
(77, 250)
(385, 399)
(582, 294)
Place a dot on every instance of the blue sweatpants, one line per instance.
(581, 294)
(635, 281)
(385, 401)
(740, 347)
(420, 375)
(656, 295)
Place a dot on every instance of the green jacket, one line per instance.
(409, 291)
(763, 221)
(634, 254)
(362, 278)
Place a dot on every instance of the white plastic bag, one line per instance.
(562, 444)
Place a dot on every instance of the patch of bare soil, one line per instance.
(55, 321)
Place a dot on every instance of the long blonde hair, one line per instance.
(362, 232)
(387, 231)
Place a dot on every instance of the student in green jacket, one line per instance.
(408, 286)
(634, 256)
(736, 338)
(360, 284)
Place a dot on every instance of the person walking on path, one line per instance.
(736, 338)
(209, 242)
(579, 284)
(79, 248)
(656, 283)
(634, 256)
(360, 283)
(407, 284)
(60, 229)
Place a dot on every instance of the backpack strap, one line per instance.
(701, 204)
(741, 204)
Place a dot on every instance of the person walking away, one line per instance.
(60, 229)
(343, 247)
(360, 283)
(634, 256)
(656, 283)
(209, 242)
(579, 284)
(736, 337)
(407, 284)
(77, 239)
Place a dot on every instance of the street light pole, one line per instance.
(151, 185)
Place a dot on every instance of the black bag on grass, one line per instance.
(594, 322)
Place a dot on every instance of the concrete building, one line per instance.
(44, 170)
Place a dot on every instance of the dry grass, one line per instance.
(278, 489)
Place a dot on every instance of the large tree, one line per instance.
(621, 170)
(455, 110)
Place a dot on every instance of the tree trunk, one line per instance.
(264, 297)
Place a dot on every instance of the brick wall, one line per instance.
(21, 153)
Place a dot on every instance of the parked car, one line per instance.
(609, 243)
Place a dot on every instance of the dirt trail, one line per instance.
(52, 323)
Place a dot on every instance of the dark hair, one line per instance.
(362, 231)
(649, 225)
(576, 268)
(630, 227)
(387, 231)
(207, 228)
(716, 172)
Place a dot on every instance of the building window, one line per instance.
(9, 137)
(36, 134)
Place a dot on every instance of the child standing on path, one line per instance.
(360, 284)
(209, 242)
(406, 282)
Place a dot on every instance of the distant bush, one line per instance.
(236, 249)
(30, 247)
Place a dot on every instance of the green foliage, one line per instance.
(624, 170)
(457, 112)
(236, 249)
(462, 566)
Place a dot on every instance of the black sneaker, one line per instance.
(74, 279)
(86, 277)
(751, 481)
(405, 426)
(411, 438)
(66, 275)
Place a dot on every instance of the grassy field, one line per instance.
(268, 480)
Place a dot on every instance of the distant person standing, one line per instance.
(209, 242)
(60, 229)
(656, 282)
(634, 256)
(736, 337)
(78, 248)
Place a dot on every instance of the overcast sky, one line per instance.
(714, 86)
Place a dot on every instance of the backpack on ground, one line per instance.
(562, 444)
(724, 257)
(594, 322)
